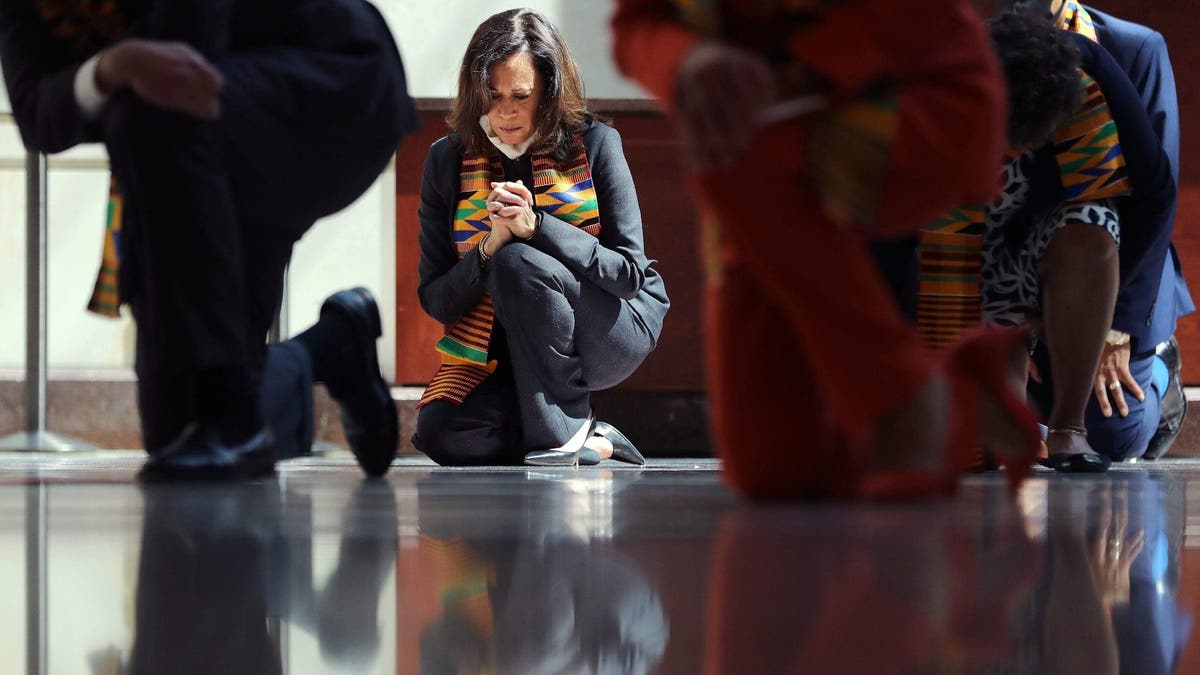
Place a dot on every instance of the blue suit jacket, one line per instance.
(1153, 298)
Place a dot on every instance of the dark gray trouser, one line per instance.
(566, 338)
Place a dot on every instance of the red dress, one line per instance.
(805, 348)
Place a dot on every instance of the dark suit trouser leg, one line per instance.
(567, 338)
(484, 431)
(213, 210)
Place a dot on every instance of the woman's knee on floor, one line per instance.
(451, 438)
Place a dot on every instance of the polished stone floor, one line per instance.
(599, 570)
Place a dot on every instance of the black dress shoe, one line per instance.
(369, 417)
(199, 454)
(1174, 402)
(623, 448)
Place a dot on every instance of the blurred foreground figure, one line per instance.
(231, 127)
(815, 128)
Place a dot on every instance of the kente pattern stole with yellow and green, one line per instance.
(563, 191)
(85, 27)
(849, 144)
(1088, 151)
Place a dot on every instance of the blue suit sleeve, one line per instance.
(1147, 214)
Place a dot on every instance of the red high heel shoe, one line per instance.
(976, 367)
(979, 367)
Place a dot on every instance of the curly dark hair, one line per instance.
(1041, 66)
(564, 108)
(1052, 9)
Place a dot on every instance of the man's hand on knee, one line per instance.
(1113, 379)
(170, 75)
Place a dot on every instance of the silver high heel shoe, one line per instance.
(568, 453)
(623, 448)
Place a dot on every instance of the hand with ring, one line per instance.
(1113, 379)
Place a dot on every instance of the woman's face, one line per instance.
(516, 91)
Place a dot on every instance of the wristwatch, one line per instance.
(1116, 338)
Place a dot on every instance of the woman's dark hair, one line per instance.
(1041, 66)
(563, 111)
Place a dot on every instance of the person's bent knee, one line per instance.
(132, 125)
(447, 438)
(516, 268)
(1120, 438)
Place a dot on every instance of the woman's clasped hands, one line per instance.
(511, 207)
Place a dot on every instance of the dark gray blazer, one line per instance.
(614, 261)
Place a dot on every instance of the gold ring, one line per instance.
(1114, 386)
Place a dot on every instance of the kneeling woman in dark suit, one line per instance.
(531, 255)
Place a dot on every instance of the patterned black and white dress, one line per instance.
(1011, 280)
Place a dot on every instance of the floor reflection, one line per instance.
(221, 565)
(580, 572)
(538, 588)
(1106, 600)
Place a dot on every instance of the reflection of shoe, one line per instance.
(199, 454)
(369, 417)
(623, 448)
(978, 369)
(1174, 402)
(347, 620)
(568, 453)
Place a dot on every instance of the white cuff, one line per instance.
(89, 97)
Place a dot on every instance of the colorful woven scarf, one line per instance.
(568, 194)
(1076, 19)
(106, 298)
(1088, 151)
(85, 27)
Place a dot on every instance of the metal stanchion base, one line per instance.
(43, 441)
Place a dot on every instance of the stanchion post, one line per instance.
(36, 438)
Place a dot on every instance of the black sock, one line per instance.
(323, 341)
(227, 397)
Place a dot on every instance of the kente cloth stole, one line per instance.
(565, 193)
(85, 27)
(849, 144)
(106, 299)
(1088, 151)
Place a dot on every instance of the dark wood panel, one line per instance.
(416, 333)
